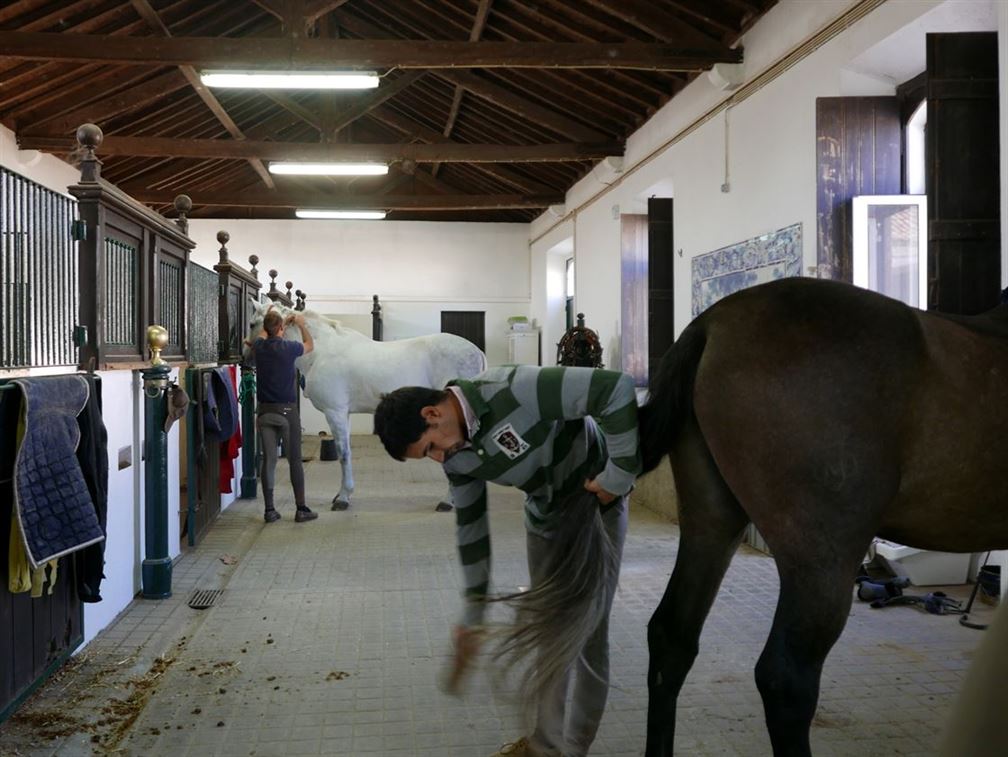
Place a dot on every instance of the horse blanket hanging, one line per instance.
(51, 498)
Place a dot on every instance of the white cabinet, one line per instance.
(523, 347)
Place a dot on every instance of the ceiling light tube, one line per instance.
(329, 169)
(291, 79)
(346, 215)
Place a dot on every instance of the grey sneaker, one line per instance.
(303, 514)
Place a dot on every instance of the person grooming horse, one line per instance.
(567, 437)
(277, 411)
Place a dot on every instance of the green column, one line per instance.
(247, 396)
(156, 570)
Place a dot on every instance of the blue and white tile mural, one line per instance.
(719, 273)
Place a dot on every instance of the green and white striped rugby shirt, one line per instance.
(544, 431)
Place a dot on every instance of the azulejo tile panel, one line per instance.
(764, 258)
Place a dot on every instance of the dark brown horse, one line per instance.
(825, 415)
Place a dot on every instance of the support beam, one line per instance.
(300, 199)
(442, 152)
(316, 54)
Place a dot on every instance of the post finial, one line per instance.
(157, 340)
(89, 136)
(223, 237)
(254, 261)
(183, 206)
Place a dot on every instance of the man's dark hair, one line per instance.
(272, 322)
(397, 419)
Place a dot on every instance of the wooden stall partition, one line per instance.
(237, 290)
(132, 270)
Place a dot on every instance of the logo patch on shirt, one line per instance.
(508, 440)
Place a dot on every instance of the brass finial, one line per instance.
(157, 340)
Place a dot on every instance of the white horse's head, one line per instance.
(255, 325)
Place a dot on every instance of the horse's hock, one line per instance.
(656, 492)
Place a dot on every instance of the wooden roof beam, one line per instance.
(442, 152)
(301, 199)
(316, 54)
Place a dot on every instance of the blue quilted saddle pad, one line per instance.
(52, 501)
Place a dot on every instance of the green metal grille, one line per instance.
(38, 275)
(203, 315)
(171, 293)
(120, 293)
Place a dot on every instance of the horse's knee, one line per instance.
(671, 654)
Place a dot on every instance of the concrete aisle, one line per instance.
(328, 639)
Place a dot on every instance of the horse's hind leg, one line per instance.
(339, 424)
(815, 598)
(711, 526)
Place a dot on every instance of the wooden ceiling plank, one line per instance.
(453, 152)
(148, 14)
(507, 99)
(624, 79)
(99, 111)
(316, 54)
(649, 17)
(721, 26)
(354, 201)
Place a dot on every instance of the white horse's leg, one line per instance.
(339, 424)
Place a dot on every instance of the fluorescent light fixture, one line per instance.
(329, 169)
(291, 79)
(346, 215)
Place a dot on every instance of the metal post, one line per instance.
(156, 570)
(247, 397)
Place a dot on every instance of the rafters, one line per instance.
(148, 14)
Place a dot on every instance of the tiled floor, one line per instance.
(329, 638)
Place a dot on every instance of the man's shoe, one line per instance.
(303, 514)
(271, 515)
(519, 748)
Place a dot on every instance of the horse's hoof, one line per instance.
(443, 507)
(339, 504)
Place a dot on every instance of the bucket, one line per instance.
(989, 579)
(327, 449)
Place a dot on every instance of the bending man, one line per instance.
(545, 431)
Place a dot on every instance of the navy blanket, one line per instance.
(51, 497)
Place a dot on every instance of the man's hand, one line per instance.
(467, 641)
(605, 497)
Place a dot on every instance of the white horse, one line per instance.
(347, 372)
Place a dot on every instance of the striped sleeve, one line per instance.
(469, 496)
(608, 397)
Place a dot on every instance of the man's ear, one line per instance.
(430, 413)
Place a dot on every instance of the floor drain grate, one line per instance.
(204, 598)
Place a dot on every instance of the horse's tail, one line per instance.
(556, 619)
(670, 395)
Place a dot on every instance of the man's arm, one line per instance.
(299, 320)
(472, 531)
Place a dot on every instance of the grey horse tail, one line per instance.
(555, 619)
(670, 395)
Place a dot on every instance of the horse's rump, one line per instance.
(805, 389)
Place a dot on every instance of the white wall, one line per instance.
(417, 269)
(771, 146)
(46, 170)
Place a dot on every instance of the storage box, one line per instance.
(923, 567)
